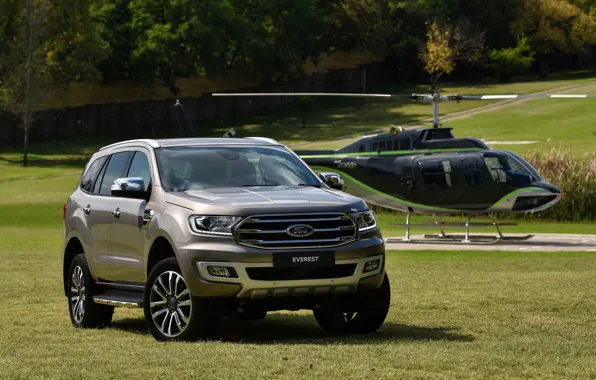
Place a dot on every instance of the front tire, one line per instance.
(171, 312)
(84, 313)
(367, 316)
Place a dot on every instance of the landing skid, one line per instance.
(443, 238)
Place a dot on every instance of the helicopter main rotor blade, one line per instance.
(528, 96)
(344, 94)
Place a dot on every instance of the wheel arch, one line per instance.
(161, 249)
(73, 248)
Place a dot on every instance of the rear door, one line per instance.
(104, 210)
(95, 236)
(129, 230)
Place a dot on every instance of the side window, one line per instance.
(97, 184)
(382, 146)
(437, 173)
(91, 174)
(116, 169)
(496, 169)
(405, 144)
(375, 147)
(139, 167)
(471, 171)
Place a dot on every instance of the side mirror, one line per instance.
(333, 180)
(130, 187)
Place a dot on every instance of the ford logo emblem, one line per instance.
(300, 230)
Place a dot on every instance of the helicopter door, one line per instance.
(478, 190)
(438, 185)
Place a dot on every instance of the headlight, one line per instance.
(214, 225)
(364, 220)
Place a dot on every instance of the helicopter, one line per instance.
(429, 171)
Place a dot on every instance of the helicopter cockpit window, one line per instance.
(437, 173)
(505, 169)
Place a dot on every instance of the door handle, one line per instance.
(116, 212)
(87, 210)
(147, 216)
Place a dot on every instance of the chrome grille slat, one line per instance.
(269, 231)
(295, 220)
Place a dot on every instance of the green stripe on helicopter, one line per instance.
(390, 153)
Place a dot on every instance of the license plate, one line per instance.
(303, 259)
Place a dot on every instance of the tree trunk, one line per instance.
(27, 113)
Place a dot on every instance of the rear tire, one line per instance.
(171, 312)
(84, 313)
(371, 310)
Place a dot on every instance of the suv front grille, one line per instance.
(275, 231)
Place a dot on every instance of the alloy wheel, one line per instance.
(170, 304)
(77, 294)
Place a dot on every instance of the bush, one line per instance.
(574, 176)
(512, 61)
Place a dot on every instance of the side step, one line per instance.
(122, 298)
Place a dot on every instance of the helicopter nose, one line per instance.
(548, 186)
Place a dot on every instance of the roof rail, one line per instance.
(151, 142)
(266, 139)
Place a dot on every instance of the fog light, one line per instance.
(371, 265)
(222, 272)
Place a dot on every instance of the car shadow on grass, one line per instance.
(303, 329)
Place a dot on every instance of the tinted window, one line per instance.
(97, 184)
(404, 144)
(471, 170)
(189, 168)
(139, 167)
(91, 174)
(375, 146)
(116, 169)
(437, 173)
(382, 145)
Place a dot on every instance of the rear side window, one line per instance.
(91, 174)
(117, 168)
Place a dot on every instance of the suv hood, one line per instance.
(232, 200)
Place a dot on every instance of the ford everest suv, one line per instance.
(193, 230)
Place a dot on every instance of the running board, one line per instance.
(121, 298)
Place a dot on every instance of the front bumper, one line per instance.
(194, 257)
(255, 288)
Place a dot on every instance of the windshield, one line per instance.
(191, 168)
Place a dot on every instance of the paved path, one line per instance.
(538, 243)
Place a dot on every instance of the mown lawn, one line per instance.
(453, 315)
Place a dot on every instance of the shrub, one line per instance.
(574, 176)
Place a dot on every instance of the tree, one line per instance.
(447, 46)
(507, 62)
(554, 27)
(44, 46)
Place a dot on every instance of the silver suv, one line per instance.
(193, 230)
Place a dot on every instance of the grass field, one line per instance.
(453, 314)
